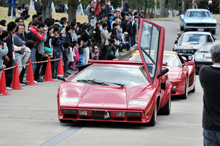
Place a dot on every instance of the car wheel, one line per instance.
(213, 31)
(154, 117)
(181, 28)
(167, 108)
(185, 95)
(65, 121)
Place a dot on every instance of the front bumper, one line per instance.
(113, 118)
(204, 28)
(180, 88)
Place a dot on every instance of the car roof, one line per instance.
(198, 10)
(196, 32)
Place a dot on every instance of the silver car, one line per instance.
(190, 42)
(203, 56)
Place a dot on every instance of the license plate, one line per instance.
(101, 115)
(200, 29)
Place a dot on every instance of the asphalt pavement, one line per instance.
(28, 117)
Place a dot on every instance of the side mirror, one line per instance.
(163, 72)
(181, 16)
(184, 58)
(191, 63)
(61, 77)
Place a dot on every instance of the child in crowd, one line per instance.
(80, 53)
(76, 57)
(95, 52)
(19, 11)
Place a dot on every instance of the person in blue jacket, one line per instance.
(12, 3)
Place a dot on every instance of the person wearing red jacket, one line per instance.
(97, 8)
(37, 37)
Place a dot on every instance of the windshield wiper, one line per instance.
(100, 82)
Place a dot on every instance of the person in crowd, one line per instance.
(74, 36)
(97, 8)
(95, 52)
(210, 6)
(124, 43)
(91, 4)
(33, 18)
(40, 50)
(178, 36)
(102, 11)
(104, 42)
(124, 23)
(11, 27)
(112, 50)
(76, 57)
(209, 77)
(108, 7)
(25, 13)
(19, 21)
(57, 42)
(3, 52)
(67, 47)
(10, 5)
(97, 35)
(63, 22)
(91, 15)
(39, 16)
(131, 29)
(109, 22)
(49, 22)
(19, 11)
(1, 29)
(119, 28)
(126, 7)
(38, 6)
(80, 49)
(3, 23)
(86, 43)
(37, 37)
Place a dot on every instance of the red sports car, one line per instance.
(181, 73)
(120, 91)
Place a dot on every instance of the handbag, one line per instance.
(47, 49)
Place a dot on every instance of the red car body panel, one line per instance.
(177, 75)
(116, 98)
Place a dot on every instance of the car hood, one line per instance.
(107, 97)
(200, 20)
(174, 73)
(189, 45)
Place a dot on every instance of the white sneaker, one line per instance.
(8, 88)
(21, 85)
(9, 17)
(35, 81)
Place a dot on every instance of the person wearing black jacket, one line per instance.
(209, 79)
(124, 24)
(97, 35)
(131, 29)
(126, 7)
(11, 27)
(86, 42)
(102, 11)
(25, 14)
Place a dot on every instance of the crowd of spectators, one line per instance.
(106, 34)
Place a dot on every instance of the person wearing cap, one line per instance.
(102, 11)
(124, 42)
(131, 29)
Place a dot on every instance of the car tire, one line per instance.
(167, 108)
(185, 95)
(65, 121)
(213, 31)
(153, 117)
(181, 28)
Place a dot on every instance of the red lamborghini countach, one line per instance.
(120, 91)
(181, 73)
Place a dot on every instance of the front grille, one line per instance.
(191, 78)
(201, 24)
(186, 51)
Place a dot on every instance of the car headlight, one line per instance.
(198, 56)
(69, 99)
(138, 102)
(174, 86)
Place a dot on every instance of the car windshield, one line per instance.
(202, 14)
(197, 38)
(169, 58)
(116, 75)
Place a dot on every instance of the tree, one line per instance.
(46, 10)
(72, 7)
(162, 8)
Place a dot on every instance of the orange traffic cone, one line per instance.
(29, 76)
(3, 85)
(48, 74)
(60, 67)
(15, 80)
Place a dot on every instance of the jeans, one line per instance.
(132, 40)
(14, 10)
(9, 9)
(211, 138)
(18, 60)
(33, 58)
